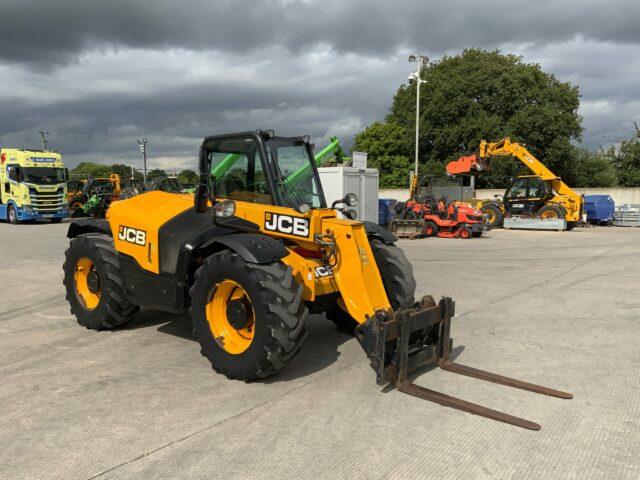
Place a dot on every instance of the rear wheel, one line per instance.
(12, 215)
(397, 277)
(493, 215)
(476, 234)
(249, 319)
(94, 283)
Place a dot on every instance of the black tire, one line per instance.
(476, 234)
(397, 278)
(466, 233)
(571, 225)
(549, 211)
(343, 321)
(56, 220)
(113, 309)
(430, 229)
(494, 213)
(12, 215)
(279, 311)
(396, 273)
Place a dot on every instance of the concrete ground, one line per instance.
(559, 309)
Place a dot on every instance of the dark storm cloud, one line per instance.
(55, 31)
(101, 73)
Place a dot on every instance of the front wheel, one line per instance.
(465, 233)
(12, 215)
(430, 229)
(397, 277)
(249, 319)
(551, 212)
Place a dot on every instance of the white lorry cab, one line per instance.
(32, 185)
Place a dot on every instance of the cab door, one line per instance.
(515, 198)
(526, 195)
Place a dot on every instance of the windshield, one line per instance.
(295, 177)
(43, 175)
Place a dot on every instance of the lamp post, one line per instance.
(43, 134)
(421, 60)
(142, 145)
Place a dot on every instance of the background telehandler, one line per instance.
(542, 195)
(250, 255)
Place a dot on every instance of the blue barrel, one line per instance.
(386, 211)
(599, 208)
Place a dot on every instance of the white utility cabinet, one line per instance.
(338, 181)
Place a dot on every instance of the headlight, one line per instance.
(225, 209)
(27, 208)
(351, 199)
(304, 208)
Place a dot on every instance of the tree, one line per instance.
(594, 170)
(627, 160)
(388, 150)
(483, 95)
(155, 173)
(95, 170)
(188, 177)
(125, 172)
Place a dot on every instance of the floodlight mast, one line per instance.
(43, 134)
(421, 60)
(142, 145)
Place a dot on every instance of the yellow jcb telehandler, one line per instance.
(250, 255)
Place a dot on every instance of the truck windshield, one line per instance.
(295, 178)
(43, 175)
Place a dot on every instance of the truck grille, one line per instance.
(47, 202)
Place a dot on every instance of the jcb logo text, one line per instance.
(131, 235)
(297, 226)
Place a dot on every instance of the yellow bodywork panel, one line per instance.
(144, 213)
(351, 271)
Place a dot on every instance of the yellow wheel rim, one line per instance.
(87, 283)
(549, 215)
(231, 317)
(491, 217)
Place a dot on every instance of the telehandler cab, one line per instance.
(250, 255)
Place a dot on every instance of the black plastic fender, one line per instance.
(252, 247)
(376, 231)
(88, 225)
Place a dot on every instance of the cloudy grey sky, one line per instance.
(100, 73)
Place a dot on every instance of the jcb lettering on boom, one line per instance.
(276, 222)
(131, 235)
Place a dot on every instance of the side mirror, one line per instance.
(200, 198)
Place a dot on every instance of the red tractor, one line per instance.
(444, 219)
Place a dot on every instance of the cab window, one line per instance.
(536, 188)
(518, 189)
(238, 172)
(14, 173)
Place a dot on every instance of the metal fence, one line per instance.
(627, 215)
